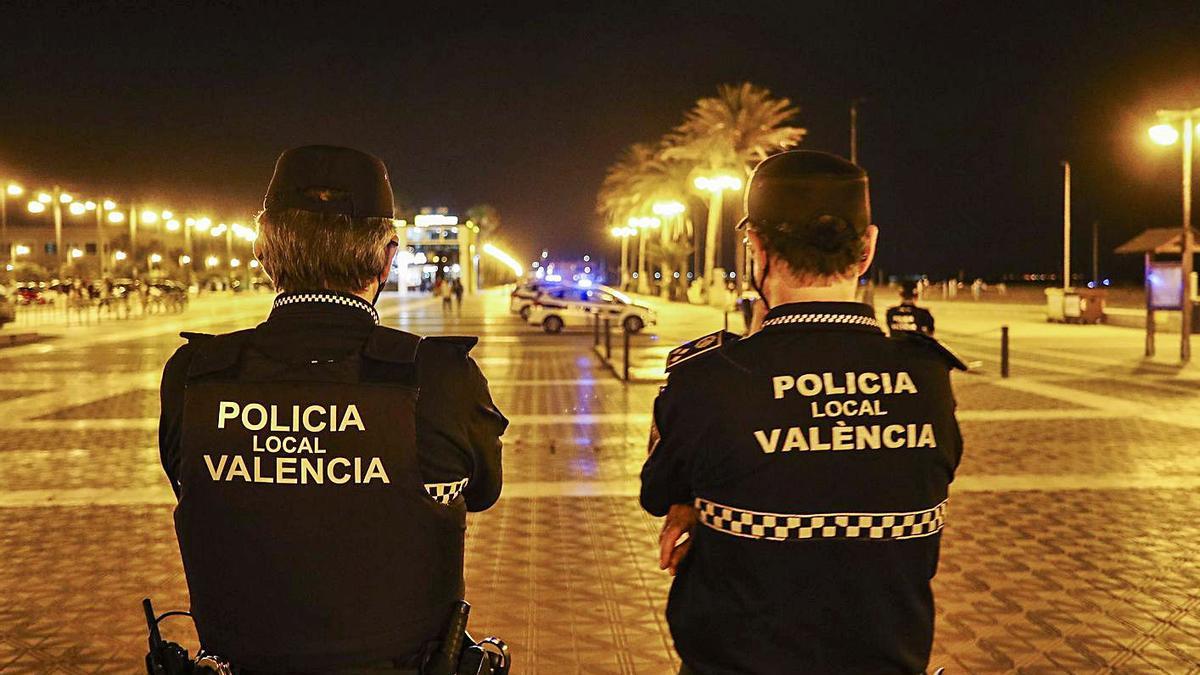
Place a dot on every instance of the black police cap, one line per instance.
(329, 179)
(794, 188)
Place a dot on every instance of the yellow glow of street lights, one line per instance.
(109, 205)
(1164, 134)
(254, 264)
(234, 262)
(504, 258)
(20, 249)
(219, 230)
(645, 222)
(89, 205)
(149, 217)
(116, 217)
(15, 190)
(718, 183)
(77, 209)
(76, 253)
(44, 198)
(155, 258)
(36, 207)
(65, 198)
(202, 224)
(172, 225)
(212, 261)
(119, 255)
(167, 215)
(670, 208)
(185, 260)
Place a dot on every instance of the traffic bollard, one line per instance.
(625, 368)
(1004, 351)
(607, 341)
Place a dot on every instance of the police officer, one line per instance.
(804, 470)
(907, 316)
(323, 463)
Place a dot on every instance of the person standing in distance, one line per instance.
(321, 502)
(804, 470)
(907, 316)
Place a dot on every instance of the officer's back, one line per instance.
(321, 501)
(817, 454)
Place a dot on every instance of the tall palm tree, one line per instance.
(631, 187)
(732, 131)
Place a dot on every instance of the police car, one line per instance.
(521, 300)
(575, 307)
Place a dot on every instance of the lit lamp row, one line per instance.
(1166, 134)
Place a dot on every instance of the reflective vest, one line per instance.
(307, 536)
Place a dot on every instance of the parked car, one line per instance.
(572, 307)
(521, 300)
(8, 309)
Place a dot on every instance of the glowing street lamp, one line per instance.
(155, 258)
(89, 205)
(119, 255)
(109, 205)
(116, 217)
(172, 225)
(234, 262)
(715, 186)
(14, 190)
(36, 207)
(668, 209)
(77, 209)
(44, 198)
(76, 253)
(212, 261)
(21, 249)
(185, 259)
(149, 217)
(65, 198)
(1166, 132)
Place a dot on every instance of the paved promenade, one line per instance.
(1072, 545)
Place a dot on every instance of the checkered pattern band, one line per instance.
(343, 299)
(851, 319)
(789, 527)
(444, 493)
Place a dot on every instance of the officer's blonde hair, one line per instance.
(306, 250)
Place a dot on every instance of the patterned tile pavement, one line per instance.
(1082, 579)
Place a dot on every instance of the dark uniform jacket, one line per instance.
(312, 535)
(908, 316)
(819, 453)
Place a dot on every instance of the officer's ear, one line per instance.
(393, 249)
(870, 239)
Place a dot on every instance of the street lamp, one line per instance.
(1166, 133)
(623, 233)
(119, 256)
(641, 224)
(715, 186)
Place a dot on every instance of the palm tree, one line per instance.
(631, 187)
(740, 126)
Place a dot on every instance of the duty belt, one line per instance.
(804, 526)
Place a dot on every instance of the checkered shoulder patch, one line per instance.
(444, 493)
(690, 350)
(801, 526)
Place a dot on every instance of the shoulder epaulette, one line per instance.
(706, 345)
(195, 337)
(391, 345)
(461, 341)
(931, 343)
(216, 353)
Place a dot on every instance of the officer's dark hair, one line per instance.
(822, 247)
(307, 250)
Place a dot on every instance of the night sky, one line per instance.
(970, 107)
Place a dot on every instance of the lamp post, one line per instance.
(10, 190)
(642, 224)
(715, 186)
(1166, 133)
(624, 233)
(671, 212)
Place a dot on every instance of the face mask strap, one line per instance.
(380, 283)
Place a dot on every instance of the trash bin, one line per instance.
(1054, 305)
(1075, 305)
(1090, 304)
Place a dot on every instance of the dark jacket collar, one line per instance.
(822, 315)
(333, 304)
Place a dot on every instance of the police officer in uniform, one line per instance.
(323, 463)
(804, 470)
(907, 316)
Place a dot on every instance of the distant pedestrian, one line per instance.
(457, 289)
(907, 316)
(446, 293)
